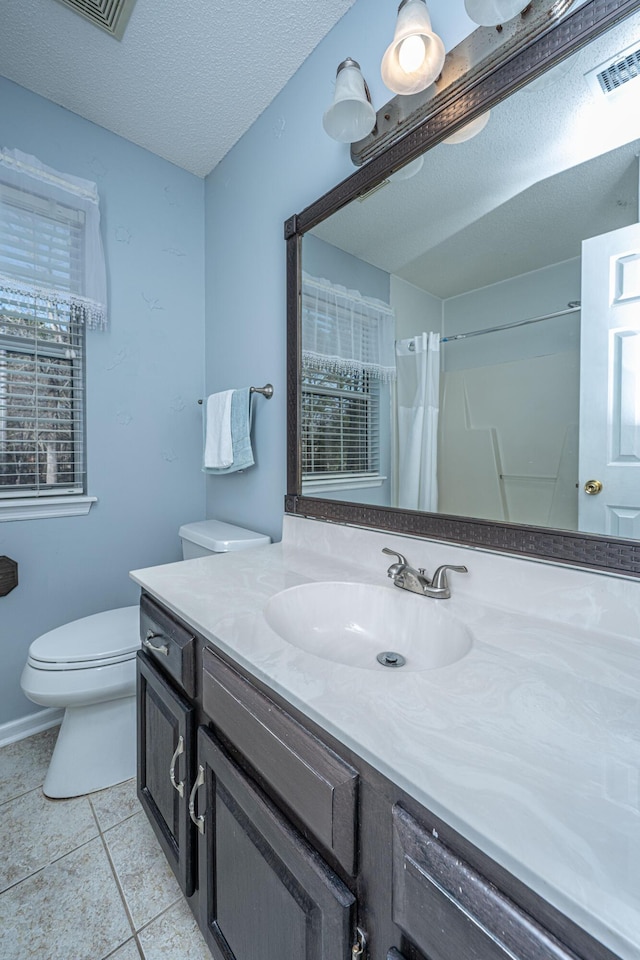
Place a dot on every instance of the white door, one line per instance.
(610, 384)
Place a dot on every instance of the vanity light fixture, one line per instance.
(351, 115)
(417, 64)
(492, 13)
(415, 58)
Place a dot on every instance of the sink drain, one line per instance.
(390, 659)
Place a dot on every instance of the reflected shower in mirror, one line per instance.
(498, 279)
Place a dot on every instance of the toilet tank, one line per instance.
(214, 536)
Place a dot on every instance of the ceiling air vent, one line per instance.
(619, 70)
(109, 15)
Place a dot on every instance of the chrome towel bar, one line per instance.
(266, 391)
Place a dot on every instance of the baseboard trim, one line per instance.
(26, 726)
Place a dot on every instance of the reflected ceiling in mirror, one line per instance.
(534, 216)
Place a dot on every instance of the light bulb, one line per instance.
(415, 57)
(411, 53)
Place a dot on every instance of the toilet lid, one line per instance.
(100, 637)
(220, 537)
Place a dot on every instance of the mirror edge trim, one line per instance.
(589, 551)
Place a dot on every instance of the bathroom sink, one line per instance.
(356, 623)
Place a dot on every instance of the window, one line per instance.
(41, 351)
(341, 425)
(52, 287)
(347, 356)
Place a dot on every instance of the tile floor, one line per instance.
(83, 879)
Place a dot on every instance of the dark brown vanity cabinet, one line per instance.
(237, 792)
(450, 910)
(292, 848)
(166, 730)
(313, 786)
(265, 893)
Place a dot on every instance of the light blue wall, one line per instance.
(143, 379)
(281, 165)
(533, 294)
(325, 261)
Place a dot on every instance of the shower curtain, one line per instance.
(417, 403)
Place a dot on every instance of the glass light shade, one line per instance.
(489, 13)
(351, 116)
(415, 58)
(470, 130)
(409, 170)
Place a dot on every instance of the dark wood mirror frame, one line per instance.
(577, 549)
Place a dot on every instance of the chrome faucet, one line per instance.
(408, 578)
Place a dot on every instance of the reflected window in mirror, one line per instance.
(347, 368)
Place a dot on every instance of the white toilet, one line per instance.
(89, 668)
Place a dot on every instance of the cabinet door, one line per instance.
(165, 762)
(449, 911)
(265, 893)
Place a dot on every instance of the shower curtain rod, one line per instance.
(572, 307)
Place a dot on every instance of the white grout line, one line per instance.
(150, 923)
(118, 884)
(49, 864)
(19, 796)
(133, 940)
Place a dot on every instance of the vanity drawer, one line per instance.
(171, 644)
(317, 786)
(447, 909)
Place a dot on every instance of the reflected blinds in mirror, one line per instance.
(348, 351)
(341, 425)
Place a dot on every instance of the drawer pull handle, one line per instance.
(360, 946)
(163, 648)
(178, 787)
(198, 821)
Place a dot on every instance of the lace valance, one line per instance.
(51, 251)
(344, 332)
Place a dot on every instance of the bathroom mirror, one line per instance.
(493, 292)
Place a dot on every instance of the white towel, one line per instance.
(218, 445)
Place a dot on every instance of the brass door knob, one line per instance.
(592, 487)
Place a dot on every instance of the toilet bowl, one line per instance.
(89, 668)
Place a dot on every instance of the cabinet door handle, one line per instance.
(163, 648)
(199, 821)
(179, 787)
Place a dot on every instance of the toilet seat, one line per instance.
(63, 665)
(99, 640)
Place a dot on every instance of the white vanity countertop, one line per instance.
(529, 746)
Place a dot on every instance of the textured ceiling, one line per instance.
(519, 196)
(188, 78)
(544, 224)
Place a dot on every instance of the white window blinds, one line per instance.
(43, 316)
(340, 425)
(347, 352)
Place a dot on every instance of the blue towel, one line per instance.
(240, 434)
